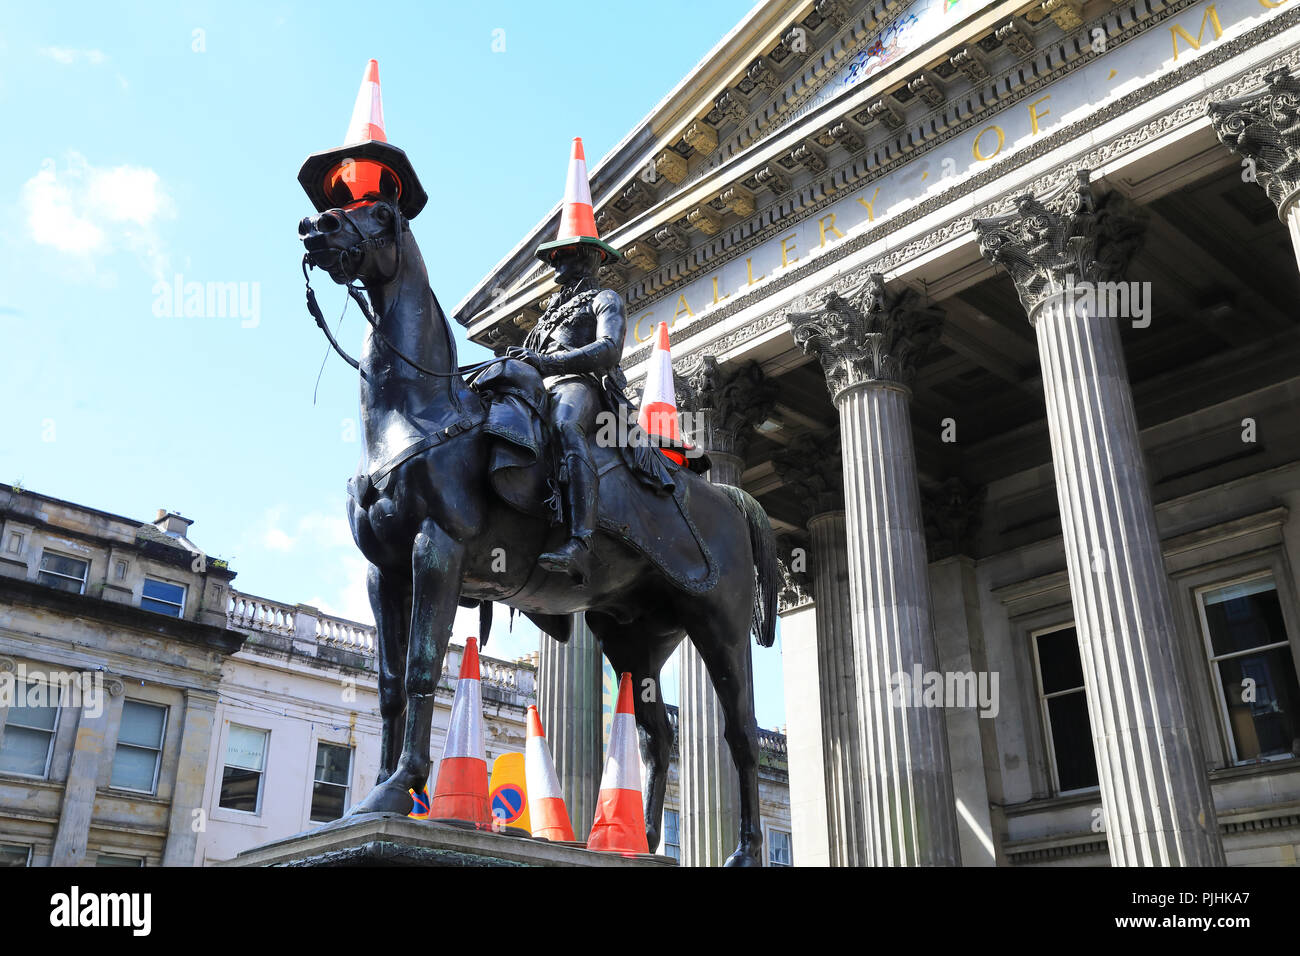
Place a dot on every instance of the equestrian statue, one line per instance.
(492, 483)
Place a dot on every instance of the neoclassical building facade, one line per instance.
(993, 306)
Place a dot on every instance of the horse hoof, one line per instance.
(385, 798)
(741, 858)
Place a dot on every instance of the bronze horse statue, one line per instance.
(424, 513)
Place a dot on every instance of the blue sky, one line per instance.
(150, 141)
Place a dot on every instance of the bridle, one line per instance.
(347, 261)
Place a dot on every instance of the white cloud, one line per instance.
(277, 540)
(68, 56)
(89, 211)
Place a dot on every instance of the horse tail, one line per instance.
(763, 543)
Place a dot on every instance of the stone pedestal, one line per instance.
(868, 342)
(1154, 791)
(569, 703)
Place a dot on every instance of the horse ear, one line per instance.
(389, 187)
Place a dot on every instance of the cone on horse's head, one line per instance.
(462, 789)
(619, 826)
(577, 217)
(366, 166)
(658, 415)
(546, 810)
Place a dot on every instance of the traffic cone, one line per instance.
(658, 415)
(546, 810)
(577, 218)
(368, 112)
(619, 826)
(462, 789)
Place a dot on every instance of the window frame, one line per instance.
(347, 788)
(677, 813)
(85, 577)
(20, 846)
(770, 843)
(53, 732)
(1227, 737)
(1044, 714)
(261, 774)
(180, 615)
(140, 860)
(162, 745)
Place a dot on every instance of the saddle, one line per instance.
(521, 472)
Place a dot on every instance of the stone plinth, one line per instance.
(389, 839)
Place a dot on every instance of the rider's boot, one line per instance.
(574, 556)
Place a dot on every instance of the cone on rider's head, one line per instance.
(547, 813)
(577, 217)
(619, 826)
(658, 415)
(461, 792)
(366, 166)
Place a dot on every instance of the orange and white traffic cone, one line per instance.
(546, 810)
(368, 112)
(577, 217)
(658, 414)
(462, 789)
(619, 826)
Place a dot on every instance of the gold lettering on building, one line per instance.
(718, 298)
(786, 250)
(1271, 6)
(1002, 138)
(681, 307)
(1034, 115)
(749, 268)
(1211, 16)
(870, 204)
(636, 329)
(828, 222)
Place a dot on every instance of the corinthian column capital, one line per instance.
(867, 335)
(728, 403)
(1264, 127)
(1066, 237)
(810, 466)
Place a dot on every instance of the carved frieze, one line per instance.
(701, 137)
(728, 402)
(886, 114)
(1017, 38)
(1264, 128)
(671, 165)
(641, 255)
(811, 468)
(738, 199)
(795, 560)
(971, 64)
(729, 104)
(770, 177)
(868, 334)
(705, 219)
(1065, 13)
(926, 88)
(1067, 233)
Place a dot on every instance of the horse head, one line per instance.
(361, 240)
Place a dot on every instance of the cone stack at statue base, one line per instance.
(461, 793)
(366, 166)
(577, 217)
(550, 817)
(619, 826)
(658, 415)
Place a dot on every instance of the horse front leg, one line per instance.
(390, 601)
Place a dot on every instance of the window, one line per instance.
(28, 739)
(241, 780)
(1254, 668)
(779, 852)
(672, 835)
(163, 597)
(14, 855)
(139, 747)
(112, 859)
(15, 545)
(62, 572)
(329, 794)
(1065, 709)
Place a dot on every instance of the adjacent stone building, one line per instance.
(993, 306)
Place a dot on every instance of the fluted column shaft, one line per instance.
(837, 674)
(569, 702)
(908, 786)
(706, 774)
(1154, 791)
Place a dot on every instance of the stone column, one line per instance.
(811, 467)
(722, 407)
(1264, 129)
(91, 754)
(1154, 792)
(191, 774)
(569, 703)
(868, 342)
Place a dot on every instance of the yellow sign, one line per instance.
(507, 796)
